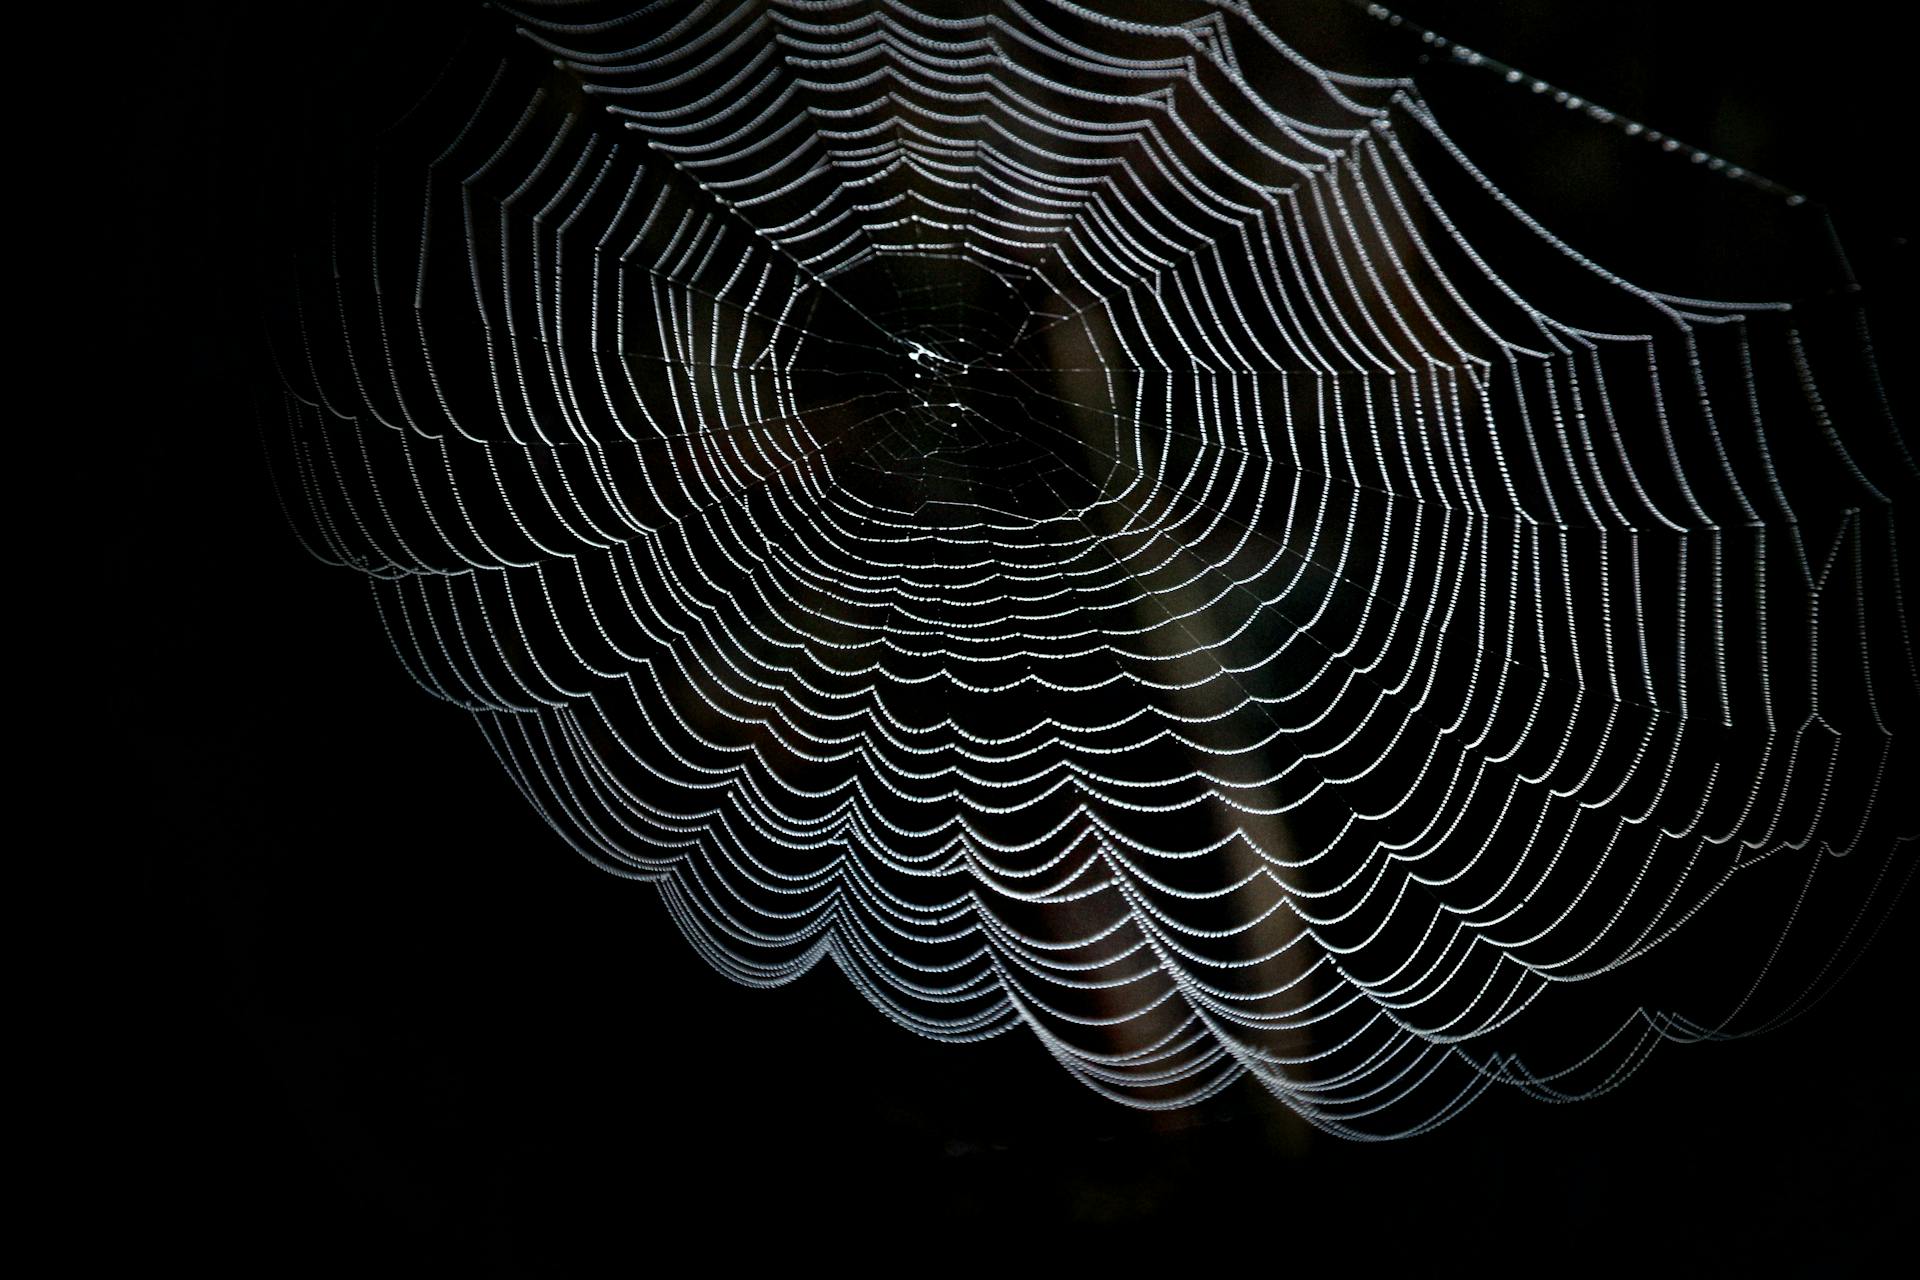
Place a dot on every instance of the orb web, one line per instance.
(1090, 522)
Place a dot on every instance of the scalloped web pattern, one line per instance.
(1090, 522)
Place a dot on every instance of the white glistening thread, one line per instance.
(960, 496)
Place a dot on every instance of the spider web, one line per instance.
(1091, 522)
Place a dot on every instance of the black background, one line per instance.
(386, 1016)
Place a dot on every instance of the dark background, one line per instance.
(384, 1016)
